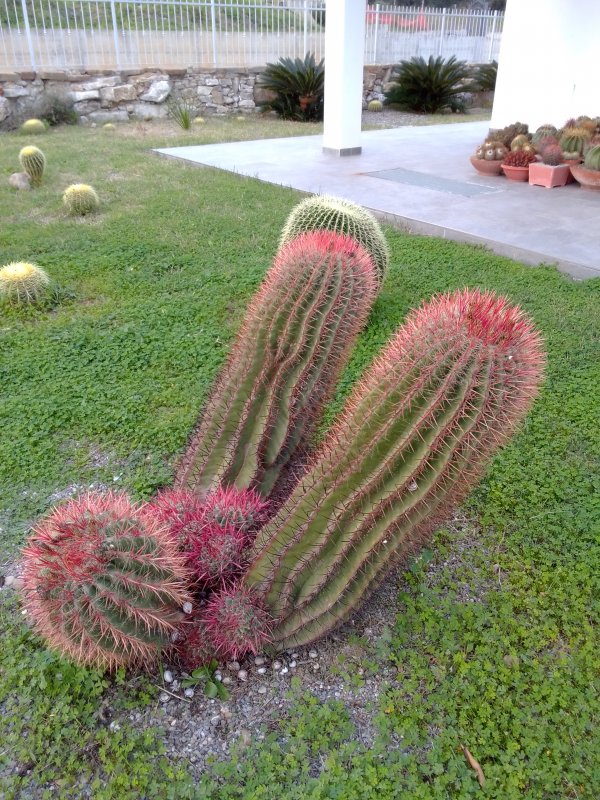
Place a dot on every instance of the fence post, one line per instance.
(376, 34)
(28, 35)
(305, 42)
(213, 22)
(442, 31)
(491, 53)
(113, 14)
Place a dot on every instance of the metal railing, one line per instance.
(121, 34)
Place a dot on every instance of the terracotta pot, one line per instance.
(547, 175)
(485, 167)
(515, 173)
(572, 162)
(588, 178)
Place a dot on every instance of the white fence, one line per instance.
(122, 34)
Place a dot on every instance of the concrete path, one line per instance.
(421, 178)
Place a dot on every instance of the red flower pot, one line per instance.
(485, 167)
(515, 173)
(588, 178)
(547, 175)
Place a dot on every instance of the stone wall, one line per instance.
(134, 94)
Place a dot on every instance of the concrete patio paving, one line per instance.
(421, 178)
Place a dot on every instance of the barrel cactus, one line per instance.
(574, 140)
(542, 132)
(80, 199)
(33, 162)
(552, 155)
(32, 126)
(21, 282)
(324, 212)
(519, 142)
(416, 434)
(108, 126)
(103, 583)
(375, 105)
(292, 345)
(592, 158)
(236, 622)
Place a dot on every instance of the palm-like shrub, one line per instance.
(428, 86)
(484, 77)
(298, 85)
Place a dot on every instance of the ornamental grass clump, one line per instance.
(80, 199)
(23, 283)
(103, 582)
(33, 162)
(416, 434)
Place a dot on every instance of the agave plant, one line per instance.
(298, 85)
(428, 86)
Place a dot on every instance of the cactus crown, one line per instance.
(324, 212)
(552, 155)
(592, 158)
(33, 126)
(80, 199)
(21, 282)
(518, 158)
(103, 582)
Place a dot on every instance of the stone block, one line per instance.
(118, 94)
(14, 90)
(211, 81)
(204, 91)
(19, 180)
(80, 97)
(8, 76)
(51, 75)
(148, 111)
(246, 104)
(100, 83)
(176, 73)
(27, 76)
(158, 92)
(4, 108)
(118, 115)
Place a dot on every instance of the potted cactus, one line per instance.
(488, 157)
(516, 165)
(551, 171)
(588, 173)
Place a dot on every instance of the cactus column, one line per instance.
(291, 347)
(416, 434)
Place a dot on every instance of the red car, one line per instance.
(417, 22)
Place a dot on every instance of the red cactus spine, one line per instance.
(215, 554)
(292, 345)
(237, 623)
(103, 582)
(417, 432)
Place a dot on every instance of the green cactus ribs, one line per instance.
(342, 216)
(417, 432)
(293, 342)
(103, 582)
(33, 162)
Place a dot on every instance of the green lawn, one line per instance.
(496, 640)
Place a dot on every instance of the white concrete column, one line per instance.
(547, 64)
(344, 58)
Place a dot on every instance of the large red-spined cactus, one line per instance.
(417, 432)
(103, 581)
(293, 343)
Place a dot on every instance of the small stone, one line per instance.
(173, 723)
(293, 664)
(277, 665)
(242, 675)
(259, 661)
(412, 486)
(187, 608)
(216, 720)
(218, 675)
(164, 698)
(19, 180)
(9, 580)
(313, 654)
(226, 712)
(262, 690)
(189, 692)
(227, 680)
(284, 671)
(168, 676)
(316, 667)
(114, 726)
(233, 666)
(261, 670)
(295, 655)
(175, 686)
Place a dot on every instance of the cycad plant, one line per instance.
(428, 86)
(299, 86)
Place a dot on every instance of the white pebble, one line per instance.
(277, 665)
(164, 698)
(114, 726)
(313, 654)
(187, 608)
(293, 664)
(9, 580)
(227, 680)
(261, 670)
(316, 667)
(259, 661)
(262, 689)
(173, 723)
(284, 671)
(168, 676)
(295, 655)
(233, 666)
(242, 675)
(189, 692)
(218, 675)
(216, 720)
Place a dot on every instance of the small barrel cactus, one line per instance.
(21, 282)
(33, 162)
(518, 158)
(573, 140)
(552, 155)
(491, 150)
(103, 583)
(237, 622)
(80, 199)
(592, 158)
(375, 105)
(542, 132)
(33, 126)
(519, 142)
(199, 120)
(108, 126)
(326, 213)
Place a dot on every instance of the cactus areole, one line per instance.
(416, 434)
